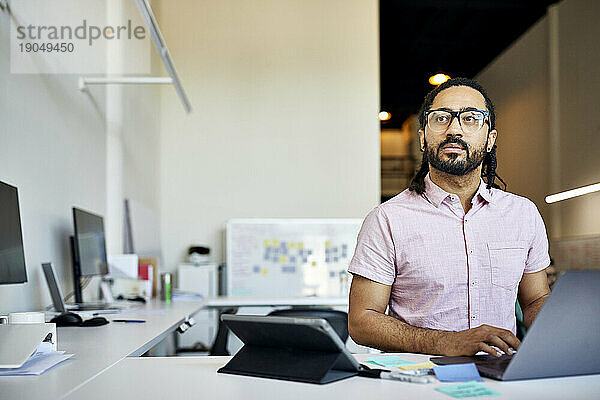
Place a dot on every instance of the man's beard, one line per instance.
(452, 166)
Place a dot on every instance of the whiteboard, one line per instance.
(289, 257)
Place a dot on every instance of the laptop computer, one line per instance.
(563, 340)
(297, 349)
(58, 298)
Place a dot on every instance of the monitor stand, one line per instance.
(80, 305)
(105, 291)
(107, 302)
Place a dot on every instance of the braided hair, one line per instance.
(489, 164)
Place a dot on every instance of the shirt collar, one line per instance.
(484, 192)
(436, 195)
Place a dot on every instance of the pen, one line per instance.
(397, 376)
(139, 321)
(406, 378)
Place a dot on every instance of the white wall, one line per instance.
(520, 82)
(579, 63)
(285, 97)
(517, 81)
(53, 148)
(52, 141)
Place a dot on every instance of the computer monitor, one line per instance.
(88, 248)
(12, 256)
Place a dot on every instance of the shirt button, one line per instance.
(473, 283)
(473, 317)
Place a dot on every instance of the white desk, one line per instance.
(98, 348)
(105, 366)
(196, 377)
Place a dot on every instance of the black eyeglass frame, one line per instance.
(456, 114)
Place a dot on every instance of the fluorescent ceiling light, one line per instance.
(573, 193)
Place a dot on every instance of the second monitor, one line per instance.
(88, 248)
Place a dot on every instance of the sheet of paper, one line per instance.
(37, 364)
(44, 348)
(389, 361)
(469, 389)
(182, 296)
(423, 365)
(457, 373)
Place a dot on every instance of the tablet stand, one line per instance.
(287, 364)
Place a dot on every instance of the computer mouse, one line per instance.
(96, 321)
(67, 319)
(137, 298)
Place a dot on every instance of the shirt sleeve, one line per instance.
(538, 257)
(374, 257)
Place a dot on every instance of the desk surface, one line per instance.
(196, 377)
(98, 348)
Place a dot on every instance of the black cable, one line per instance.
(86, 282)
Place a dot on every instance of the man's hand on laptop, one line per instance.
(482, 338)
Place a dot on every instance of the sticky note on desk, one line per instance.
(389, 361)
(423, 365)
(457, 373)
(468, 389)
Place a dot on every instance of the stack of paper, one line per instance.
(40, 361)
(186, 296)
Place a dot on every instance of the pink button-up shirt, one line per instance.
(450, 270)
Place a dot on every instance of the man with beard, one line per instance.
(450, 254)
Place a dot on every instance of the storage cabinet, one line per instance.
(202, 279)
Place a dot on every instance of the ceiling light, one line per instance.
(384, 116)
(438, 79)
(573, 193)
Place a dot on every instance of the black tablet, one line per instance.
(300, 349)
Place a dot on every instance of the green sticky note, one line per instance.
(468, 389)
(389, 361)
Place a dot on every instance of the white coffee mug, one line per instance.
(26, 318)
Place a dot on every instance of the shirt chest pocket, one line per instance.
(507, 262)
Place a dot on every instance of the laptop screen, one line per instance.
(53, 286)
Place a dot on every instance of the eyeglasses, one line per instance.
(470, 120)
